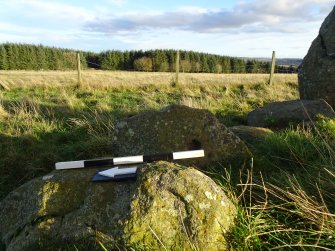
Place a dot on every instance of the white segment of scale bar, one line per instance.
(128, 160)
(70, 164)
(189, 154)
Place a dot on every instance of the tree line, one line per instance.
(37, 57)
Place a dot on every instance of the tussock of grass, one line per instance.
(272, 217)
(286, 201)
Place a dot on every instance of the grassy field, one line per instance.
(107, 79)
(285, 202)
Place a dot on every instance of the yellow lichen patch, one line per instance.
(46, 225)
(45, 193)
(189, 197)
(204, 206)
(210, 196)
(170, 211)
(179, 207)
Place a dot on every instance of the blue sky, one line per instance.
(244, 28)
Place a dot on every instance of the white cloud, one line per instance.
(16, 33)
(246, 16)
(49, 10)
(193, 9)
(247, 29)
(41, 21)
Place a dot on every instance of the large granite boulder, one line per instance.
(181, 208)
(180, 128)
(317, 71)
(282, 114)
(168, 204)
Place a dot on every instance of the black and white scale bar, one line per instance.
(130, 159)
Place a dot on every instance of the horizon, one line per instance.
(247, 29)
(98, 52)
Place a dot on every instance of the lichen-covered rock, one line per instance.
(65, 207)
(180, 128)
(178, 208)
(250, 134)
(282, 114)
(317, 71)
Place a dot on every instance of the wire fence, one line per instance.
(237, 75)
(234, 69)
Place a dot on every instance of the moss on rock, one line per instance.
(168, 204)
(178, 207)
(61, 208)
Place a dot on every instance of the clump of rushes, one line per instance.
(272, 217)
(287, 200)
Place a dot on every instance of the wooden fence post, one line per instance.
(273, 64)
(177, 68)
(79, 70)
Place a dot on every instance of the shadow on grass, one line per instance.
(47, 134)
(232, 118)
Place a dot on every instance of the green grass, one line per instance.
(286, 202)
(43, 124)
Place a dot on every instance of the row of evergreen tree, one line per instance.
(165, 61)
(37, 57)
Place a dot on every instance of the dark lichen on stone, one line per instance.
(181, 128)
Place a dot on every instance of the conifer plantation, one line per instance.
(37, 57)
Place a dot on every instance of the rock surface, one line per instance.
(180, 128)
(168, 204)
(281, 114)
(317, 71)
(250, 134)
(179, 209)
(62, 207)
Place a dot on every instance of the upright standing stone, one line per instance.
(317, 72)
(181, 128)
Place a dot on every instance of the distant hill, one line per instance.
(280, 61)
(289, 61)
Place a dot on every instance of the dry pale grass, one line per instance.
(219, 93)
(106, 79)
(37, 78)
(3, 112)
